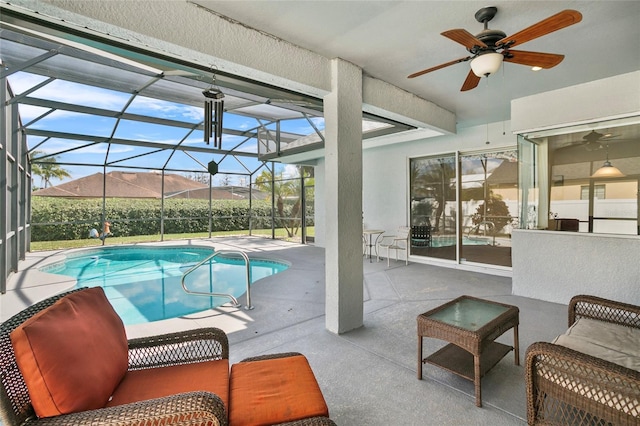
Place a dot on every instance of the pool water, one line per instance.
(143, 283)
(446, 241)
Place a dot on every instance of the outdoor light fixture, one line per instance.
(213, 109)
(607, 170)
(486, 63)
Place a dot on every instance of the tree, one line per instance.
(433, 184)
(225, 180)
(200, 177)
(493, 210)
(285, 190)
(47, 168)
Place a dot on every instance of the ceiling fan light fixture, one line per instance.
(486, 64)
(536, 68)
(608, 171)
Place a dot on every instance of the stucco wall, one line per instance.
(598, 100)
(554, 266)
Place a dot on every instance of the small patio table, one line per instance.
(470, 325)
(372, 244)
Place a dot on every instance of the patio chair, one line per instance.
(421, 236)
(177, 352)
(67, 361)
(397, 242)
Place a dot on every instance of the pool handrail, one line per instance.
(492, 227)
(235, 302)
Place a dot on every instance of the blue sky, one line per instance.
(71, 122)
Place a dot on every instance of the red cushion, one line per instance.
(274, 391)
(73, 354)
(140, 385)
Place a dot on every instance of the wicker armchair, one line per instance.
(567, 387)
(193, 408)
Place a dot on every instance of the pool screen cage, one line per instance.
(94, 119)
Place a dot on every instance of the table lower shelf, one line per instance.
(458, 361)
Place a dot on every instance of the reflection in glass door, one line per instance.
(488, 206)
(433, 206)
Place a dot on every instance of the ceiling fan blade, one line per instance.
(553, 23)
(419, 73)
(464, 37)
(533, 59)
(471, 82)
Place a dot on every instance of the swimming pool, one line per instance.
(143, 283)
(450, 240)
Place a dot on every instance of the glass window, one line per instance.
(598, 192)
(489, 206)
(588, 173)
(433, 206)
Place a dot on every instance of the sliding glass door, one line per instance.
(433, 206)
(489, 205)
(463, 208)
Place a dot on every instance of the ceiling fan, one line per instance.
(490, 47)
(593, 140)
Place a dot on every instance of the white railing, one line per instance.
(235, 302)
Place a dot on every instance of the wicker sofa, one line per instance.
(591, 374)
(66, 361)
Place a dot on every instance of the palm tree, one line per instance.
(47, 168)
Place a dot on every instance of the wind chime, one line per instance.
(213, 109)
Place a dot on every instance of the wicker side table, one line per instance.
(470, 325)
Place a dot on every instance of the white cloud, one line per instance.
(23, 81)
(167, 109)
(63, 91)
(63, 145)
(73, 93)
(290, 171)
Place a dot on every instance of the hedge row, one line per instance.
(55, 218)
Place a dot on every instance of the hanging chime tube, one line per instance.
(207, 121)
(218, 131)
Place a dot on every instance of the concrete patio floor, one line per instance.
(368, 376)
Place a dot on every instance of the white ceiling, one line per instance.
(392, 39)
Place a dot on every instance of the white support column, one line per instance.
(343, 198)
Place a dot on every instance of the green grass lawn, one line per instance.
(281, 233)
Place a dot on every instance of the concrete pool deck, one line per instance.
(368, 376)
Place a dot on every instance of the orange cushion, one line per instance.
(72, 354)
(274, 391)
(140, 385)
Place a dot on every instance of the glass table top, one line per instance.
(470, 314)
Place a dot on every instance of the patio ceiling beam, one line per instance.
(130, 142)
(55, 154)
(119, 166)
(57, 105)
(7, 71)
(380, 132)
(18, 98)
(23, 36)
